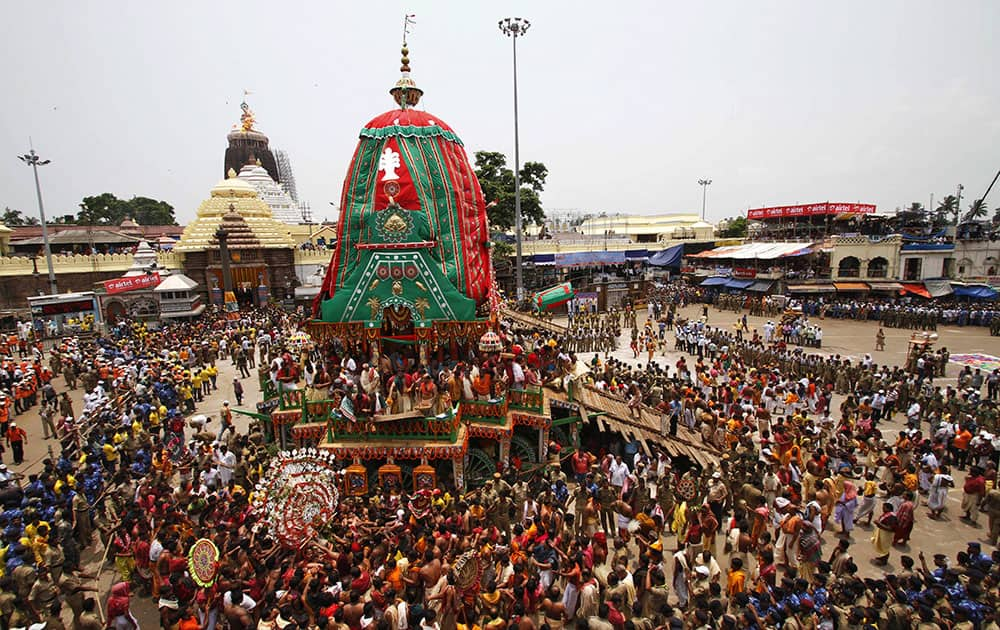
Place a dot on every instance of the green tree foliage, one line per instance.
(947, 211)
(497, 181)
(501, 253)
(977, 210)
(736, 228)
(106, 209)
(13, 218)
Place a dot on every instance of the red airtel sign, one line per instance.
(131, 283)
(810, 210)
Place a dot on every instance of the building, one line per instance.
(248, 145)
(283, 207)
(261, 250)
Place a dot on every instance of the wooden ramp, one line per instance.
(527, 319)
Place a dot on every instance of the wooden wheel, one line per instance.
(479, 468)
(523, 448)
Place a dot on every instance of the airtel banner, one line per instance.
(810, 210)
(131, 283)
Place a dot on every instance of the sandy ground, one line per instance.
(844, 337)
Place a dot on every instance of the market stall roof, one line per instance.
(976, 291)
(670, 257)
(757, 251)
(811, 288)
(938, 288)
(851, 286)
(715, 281)
(886, 286)
(761, 286)
(736, 283)
(916, 289)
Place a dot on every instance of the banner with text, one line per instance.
(810, 210)
(131, 283)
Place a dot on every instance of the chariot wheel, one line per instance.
(523, 448)
(479, 468)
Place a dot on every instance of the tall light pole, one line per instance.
(704, 193)
(31, 158)
(514, 28)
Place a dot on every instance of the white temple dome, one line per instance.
(283, 207)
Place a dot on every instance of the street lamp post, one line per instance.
(31, 158)
(704, 193)
(514, 28)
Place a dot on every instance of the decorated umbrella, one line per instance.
(552, 297)
(203, 562)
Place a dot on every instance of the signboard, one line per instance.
(131, 283)
(744, 272)
(810, 210)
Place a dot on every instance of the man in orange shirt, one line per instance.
(16, 439)
(960, 446)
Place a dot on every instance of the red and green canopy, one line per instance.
(413, 159)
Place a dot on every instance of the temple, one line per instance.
(410, 285)
(283, 207)
(261, 249)
(248, 145)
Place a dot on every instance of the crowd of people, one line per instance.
(816, 455)
(908, 313)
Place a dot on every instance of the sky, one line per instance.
(628, 104)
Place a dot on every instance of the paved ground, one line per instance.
(845, 337)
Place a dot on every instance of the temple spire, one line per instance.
(405, 92)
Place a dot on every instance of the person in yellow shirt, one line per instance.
(196, 385)
(110, 456)
(212, 372)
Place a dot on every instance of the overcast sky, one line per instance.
(627, 103)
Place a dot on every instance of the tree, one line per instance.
(501, 252)
(977, 210)
(947, 211)
(146, 211)
(110, 210)
(13, 217)
(497, 181)
(736, 228)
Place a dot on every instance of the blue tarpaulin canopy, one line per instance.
(738, 284)
(976, 291)
(715, 281)
(636, 254)
(670, 257)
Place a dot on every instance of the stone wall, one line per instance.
(14, 290)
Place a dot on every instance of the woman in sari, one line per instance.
(885, 526)
(904, 519)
